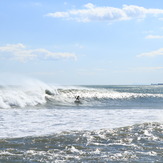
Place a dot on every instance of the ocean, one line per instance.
(42, 123)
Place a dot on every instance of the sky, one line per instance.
(88, 42)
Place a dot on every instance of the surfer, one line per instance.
(77, 100)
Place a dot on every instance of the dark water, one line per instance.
(137, 143)
(111, 124)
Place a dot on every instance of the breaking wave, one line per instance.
(39, 93)
(29, 94)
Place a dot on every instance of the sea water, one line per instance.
(42, 123)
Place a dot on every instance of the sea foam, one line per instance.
(27, 93)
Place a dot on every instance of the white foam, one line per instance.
(30, 93)
(39, 122)
(103, 94)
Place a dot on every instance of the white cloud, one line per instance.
(21, 53)
(89, 5)
(106, 13)
(59, 14)
(154, 37)
(152, 53)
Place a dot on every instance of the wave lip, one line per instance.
(22, 96)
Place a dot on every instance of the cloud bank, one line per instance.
(21, 53)
(154, 37)
(90, 13)
(152, 53)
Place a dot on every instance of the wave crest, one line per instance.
(41, 94)
(22, 96)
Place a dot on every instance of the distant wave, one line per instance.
(42, 94)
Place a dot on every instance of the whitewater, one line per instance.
(41, 122)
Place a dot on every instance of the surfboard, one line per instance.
(77, 102)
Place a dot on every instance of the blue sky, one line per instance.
(82, 42)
